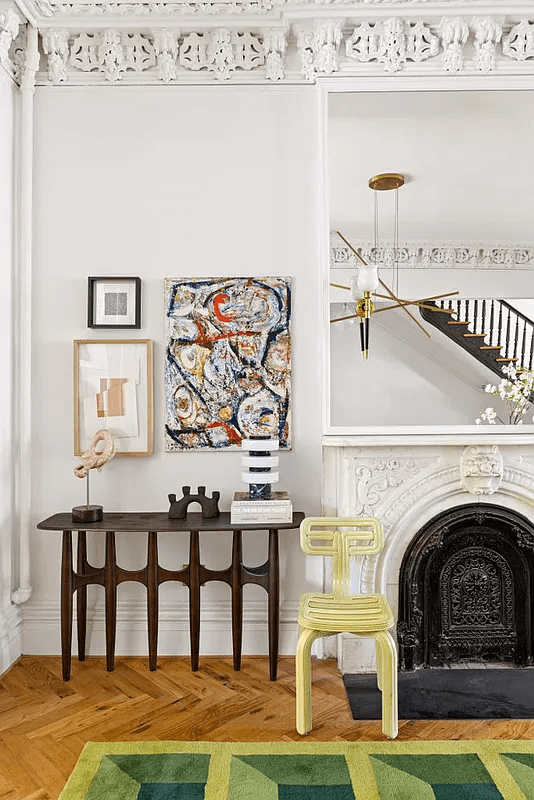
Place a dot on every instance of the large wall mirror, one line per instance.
(464, 222)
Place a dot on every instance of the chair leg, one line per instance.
(388, 661)
(379, 665)
(303, 679)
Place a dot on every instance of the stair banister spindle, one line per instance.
(507, 351)
(523, 343)
(491, 328)
(499, 326)
(483, 326)
(516, 334)
(475, 316)
(466, 312)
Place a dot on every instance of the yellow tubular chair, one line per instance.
(366, 615)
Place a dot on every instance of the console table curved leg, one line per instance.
(111, 600)
(81, 594)
(237, 598)
(67, 584)
(194, 598)
(273, 581)
(152, 600)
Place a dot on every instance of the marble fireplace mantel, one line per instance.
(405, 479)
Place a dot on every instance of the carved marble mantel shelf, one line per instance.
(424, 436)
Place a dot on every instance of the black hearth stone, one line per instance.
(449, 694)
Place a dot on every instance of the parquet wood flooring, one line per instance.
(44, 722)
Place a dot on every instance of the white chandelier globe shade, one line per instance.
(367, 280)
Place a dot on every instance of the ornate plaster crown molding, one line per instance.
(419, 255)
(258, 41)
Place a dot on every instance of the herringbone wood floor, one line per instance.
(44, 722)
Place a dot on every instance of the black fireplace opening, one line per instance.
(465, 593)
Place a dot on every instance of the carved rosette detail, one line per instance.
(481, 469)
(519, 43)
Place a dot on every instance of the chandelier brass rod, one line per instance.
(421, 299)
(340, 319)
(340, 286)
(392, 296)
(364, 262)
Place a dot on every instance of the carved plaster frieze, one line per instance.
(481, 469)
(420, 255)
(274, 52)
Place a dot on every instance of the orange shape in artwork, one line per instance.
(110, 398)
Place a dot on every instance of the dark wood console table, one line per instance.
(194, 575)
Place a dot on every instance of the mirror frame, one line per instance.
(340, 436)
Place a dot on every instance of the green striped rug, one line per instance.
(476, 770)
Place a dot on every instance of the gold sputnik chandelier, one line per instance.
(369, 281)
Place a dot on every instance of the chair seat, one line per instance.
(358, 614)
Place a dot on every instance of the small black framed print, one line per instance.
(114, 303)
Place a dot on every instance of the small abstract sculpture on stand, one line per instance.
(93, 459)
(209, 505)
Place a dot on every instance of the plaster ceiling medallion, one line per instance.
(364, 287)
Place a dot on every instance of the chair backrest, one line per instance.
(341, 538)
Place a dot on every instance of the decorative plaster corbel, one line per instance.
(166, 49)
(454, 33)
(481, 469)
(56, 47)
(392, 42)
(319, 46)
(111, 55)
(488, 32)
(9, 28)
(274, 48)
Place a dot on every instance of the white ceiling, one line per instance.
(468, 158)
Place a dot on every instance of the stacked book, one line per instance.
(244, 510)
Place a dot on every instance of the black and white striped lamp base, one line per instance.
(257, 465)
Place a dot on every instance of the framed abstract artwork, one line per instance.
(227, 361)
(113, 302)
(113, 390)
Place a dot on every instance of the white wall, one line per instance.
(9, 614)
(160, 182)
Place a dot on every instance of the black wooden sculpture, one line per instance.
(209, 505)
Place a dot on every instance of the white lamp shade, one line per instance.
(368, 278)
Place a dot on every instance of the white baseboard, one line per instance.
(42, 629)
(10, 637)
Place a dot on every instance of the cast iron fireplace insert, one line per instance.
(465, 590)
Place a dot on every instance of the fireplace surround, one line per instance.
(461, 508)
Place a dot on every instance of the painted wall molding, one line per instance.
(422, 255)
(41, 628)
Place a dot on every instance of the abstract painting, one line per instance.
(227, 361)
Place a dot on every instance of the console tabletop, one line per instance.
(194, 575)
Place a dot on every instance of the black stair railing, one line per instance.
(506, 331)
